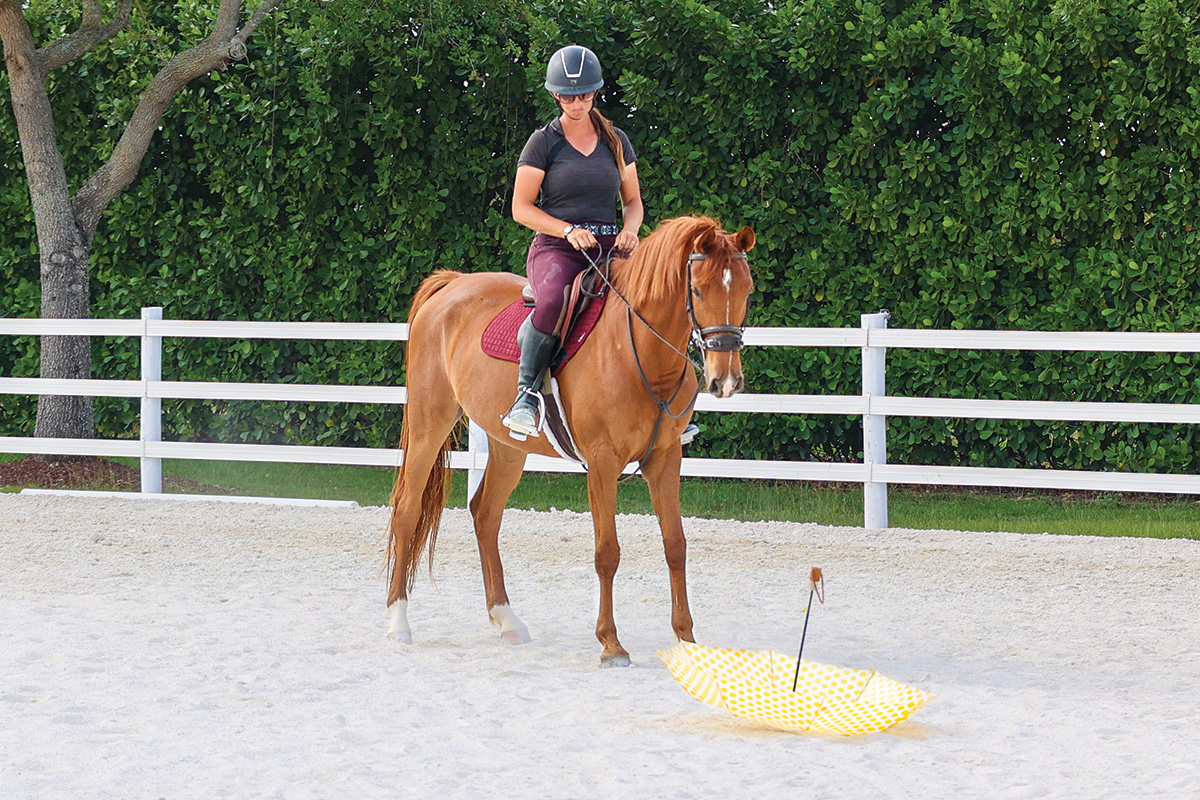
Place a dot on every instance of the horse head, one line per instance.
(719, 286)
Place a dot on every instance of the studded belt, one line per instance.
(599, 228)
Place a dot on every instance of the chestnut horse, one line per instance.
(628, 394)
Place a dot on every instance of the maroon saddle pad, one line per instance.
(500, 336)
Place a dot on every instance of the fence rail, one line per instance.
(874, 405)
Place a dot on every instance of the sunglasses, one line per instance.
(568, 99)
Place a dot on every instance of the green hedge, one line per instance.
(965, 164)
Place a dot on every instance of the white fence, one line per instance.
(873, 405)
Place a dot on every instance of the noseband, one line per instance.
(718, 338)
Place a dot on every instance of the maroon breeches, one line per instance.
(551, 266)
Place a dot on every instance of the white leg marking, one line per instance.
(512, 630)
(398, 630)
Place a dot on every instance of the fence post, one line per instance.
(874, 365)
(151, 416)
(477, 442)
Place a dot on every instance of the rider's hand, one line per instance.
(627, 242)
(581, 239)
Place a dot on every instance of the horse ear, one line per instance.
(704, 241)
(744, 240)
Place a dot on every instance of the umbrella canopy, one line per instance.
(758, 684)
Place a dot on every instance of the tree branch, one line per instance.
(224, 45)
(90, 33)
(237, 45)
(228, 14)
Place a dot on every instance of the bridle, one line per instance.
(718, 338)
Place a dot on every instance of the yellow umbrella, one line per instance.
(758, 684)
(791, 694)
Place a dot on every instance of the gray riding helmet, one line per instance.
(573, 70)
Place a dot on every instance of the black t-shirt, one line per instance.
(576, 188)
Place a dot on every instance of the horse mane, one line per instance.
(657, 270)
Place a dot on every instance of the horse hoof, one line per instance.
(619, 660)
(403, 637)
(512, 630)
(515, 637)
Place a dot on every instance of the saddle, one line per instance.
(580, 315)
(499, 340)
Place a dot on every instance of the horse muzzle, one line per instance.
(721, 346)
(723, 373)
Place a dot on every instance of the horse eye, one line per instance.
(696, 292)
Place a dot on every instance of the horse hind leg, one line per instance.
(411, 528)
(418, 500)
(503, 473)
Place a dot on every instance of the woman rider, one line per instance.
(580, 164)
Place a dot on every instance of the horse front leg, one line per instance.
(662, 476)
(602, 497)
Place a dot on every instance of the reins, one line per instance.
(724, 338)
(664, 406)
(604, 277)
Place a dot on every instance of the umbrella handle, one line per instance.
(816, 584)
(803, 635)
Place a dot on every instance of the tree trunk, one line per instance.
(65, 295)
(63, 251)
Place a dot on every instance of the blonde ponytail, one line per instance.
(609, 134)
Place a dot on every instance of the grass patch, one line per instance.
(540, 491)
(368, 486)
(1026, 511)
(1088, 513)
(1082, 513)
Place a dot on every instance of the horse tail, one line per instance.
(429, 287)
(433, 498)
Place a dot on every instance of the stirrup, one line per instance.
(689, 433)
(521, 427)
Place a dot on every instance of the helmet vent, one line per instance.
(574, 76)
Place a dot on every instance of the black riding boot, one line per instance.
(537, 349)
